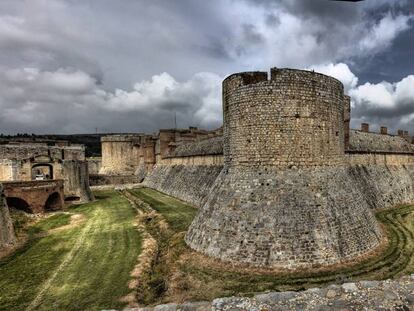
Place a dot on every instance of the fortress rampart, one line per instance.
(127, 155)
(287, 184)
(284, 197)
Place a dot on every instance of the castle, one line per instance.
(285, 183)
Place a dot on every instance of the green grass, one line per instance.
(86, 267)
(178, 214)
(50, 223)
(199, 279)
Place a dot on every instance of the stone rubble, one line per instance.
(395, 295)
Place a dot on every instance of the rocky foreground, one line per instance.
(364, 295)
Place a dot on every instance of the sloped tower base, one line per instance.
(285, 197)
(290, 219)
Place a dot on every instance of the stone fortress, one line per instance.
(285, 183)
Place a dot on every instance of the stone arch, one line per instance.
(53, 202)
(45, 168)
(19, 204)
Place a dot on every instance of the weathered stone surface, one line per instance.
(7, 236)
(166, 307)
(101, 180)
(210, 146)
(19, 162)
(37, 196)
(189, 183)
(286, 218)
(195, 306)
(385, 295)
(76, 180)
(120, 154)
(284, 198)
(376, 142)
(94, 165)
(384, 186)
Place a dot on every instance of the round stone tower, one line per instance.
(284, 197)
(295, 119)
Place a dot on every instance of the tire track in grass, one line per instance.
(68, 258)
(73, 278)
(91, 268)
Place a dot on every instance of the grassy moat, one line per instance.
(96, 256)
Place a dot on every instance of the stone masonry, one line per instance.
(7, 236)
(285, 197)
(364, 295)
(19, 161)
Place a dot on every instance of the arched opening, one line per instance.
(42, 171)
(53, 202)
(72, 199)
(19, 204)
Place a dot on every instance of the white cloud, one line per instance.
(66, 68)
(299, 39)
(339, 71)
(31, 98)
(381, 34)
(385, 103)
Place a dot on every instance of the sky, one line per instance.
(81, 66)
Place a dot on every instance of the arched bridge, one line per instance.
(34, 196)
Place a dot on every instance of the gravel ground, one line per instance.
(364, 295)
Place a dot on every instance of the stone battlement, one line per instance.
(282, 75)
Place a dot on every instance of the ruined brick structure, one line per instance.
(22, 162)
(284, 197)
(34, 196)
(7, 236)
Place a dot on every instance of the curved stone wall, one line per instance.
(384, 186)
(7, 236)
(290, 218)
(285, 197)
(294, 119)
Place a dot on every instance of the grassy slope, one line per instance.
(86, 267)
(202, 279)
(178, 214)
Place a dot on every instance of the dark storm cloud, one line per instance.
(132, 65)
